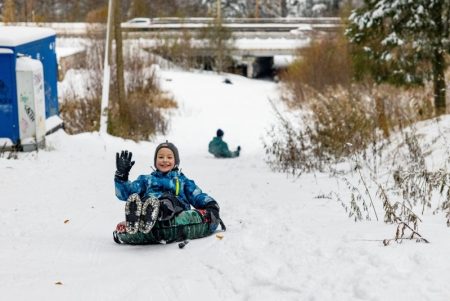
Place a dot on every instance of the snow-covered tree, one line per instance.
(404, 42)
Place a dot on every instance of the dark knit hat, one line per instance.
(219, 133)
(170, 146)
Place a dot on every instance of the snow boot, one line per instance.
(133, 210)
(150, 212)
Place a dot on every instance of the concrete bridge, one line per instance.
(240, 28)
(256, 42)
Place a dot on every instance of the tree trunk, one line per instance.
(219, 46)
(9, 11)
(439, 83)
(29, 9)
(257, 9)
(438, 60)
(381, 115)
(119, 62)
(283, 8)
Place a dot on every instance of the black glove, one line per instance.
(123, 165)
(239, 148)
(212, 209)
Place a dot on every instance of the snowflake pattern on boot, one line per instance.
(150, 212)
(133, 210)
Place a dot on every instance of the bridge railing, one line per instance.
(296, 20)
(193, 24)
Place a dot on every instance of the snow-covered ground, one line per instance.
(58, 211)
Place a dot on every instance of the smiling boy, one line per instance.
(161, 195)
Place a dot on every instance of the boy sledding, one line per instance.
(158, 206)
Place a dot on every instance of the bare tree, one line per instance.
(9, 11)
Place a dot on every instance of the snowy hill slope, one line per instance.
(58, 211)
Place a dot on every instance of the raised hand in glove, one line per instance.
(123, 165)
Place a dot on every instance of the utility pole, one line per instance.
(106, 75)
(119, 62)
(219, 15)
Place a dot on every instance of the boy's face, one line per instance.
(165, 160)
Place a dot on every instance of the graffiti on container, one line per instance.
(30, 112)
(24, 98)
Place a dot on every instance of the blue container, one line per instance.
(9, 124)
(38, 43)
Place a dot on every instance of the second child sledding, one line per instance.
(219, 148)
(164, 206)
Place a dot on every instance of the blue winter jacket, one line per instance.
(219, 149)
(156, 183)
